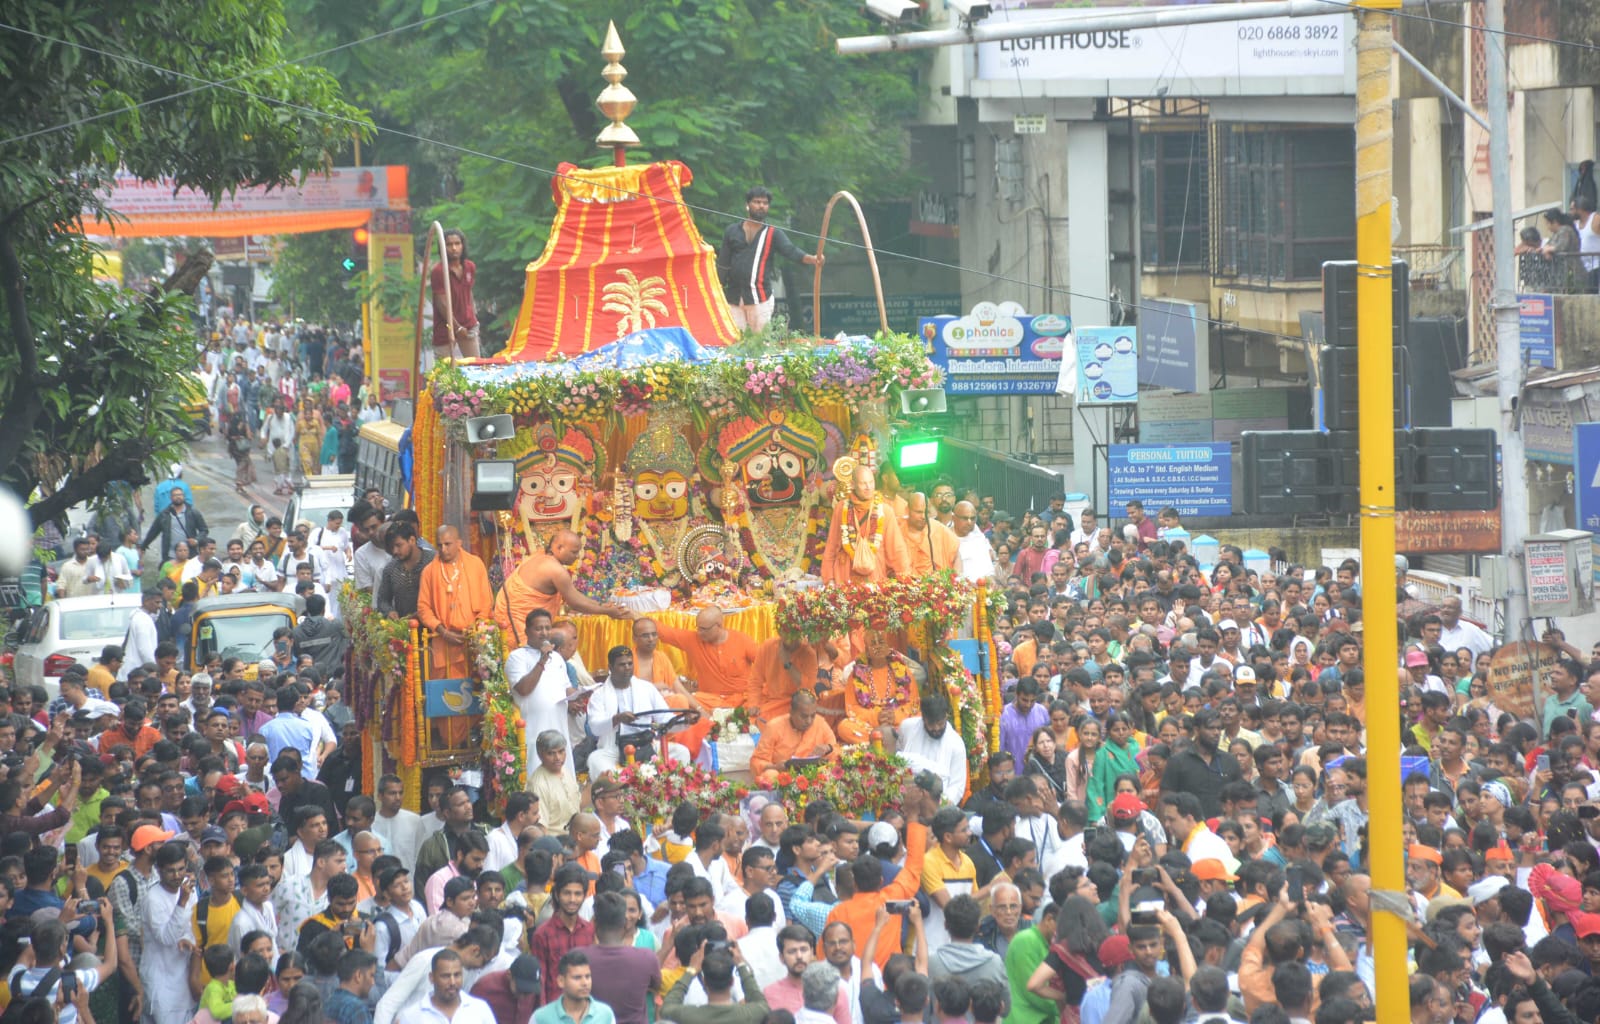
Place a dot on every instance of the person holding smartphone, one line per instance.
(166, 909)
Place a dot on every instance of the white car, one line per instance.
(67, 631)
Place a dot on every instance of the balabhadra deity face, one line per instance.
(550, 490)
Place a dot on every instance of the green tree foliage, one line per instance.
(743, 91)
(92, 379)
(309, 276)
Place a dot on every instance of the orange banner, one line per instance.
(346, 197)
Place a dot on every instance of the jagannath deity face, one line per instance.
(771, 455)
(776, 474)
(661, 494)
(660, 471)
(555, 478)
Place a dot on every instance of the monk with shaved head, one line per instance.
(543, 580)
(453, 595)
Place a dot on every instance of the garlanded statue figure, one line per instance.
(880, 688)
(655, 496)
(765, 465)
(556, 477)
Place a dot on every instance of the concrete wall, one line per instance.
(1577, 331)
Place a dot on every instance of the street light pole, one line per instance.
(1508, 342)
(1375, 372)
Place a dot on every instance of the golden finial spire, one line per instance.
(615, 100)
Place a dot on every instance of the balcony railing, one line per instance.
(1563, 274)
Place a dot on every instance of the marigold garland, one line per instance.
(427, 474)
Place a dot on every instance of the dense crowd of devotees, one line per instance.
(1173, 827)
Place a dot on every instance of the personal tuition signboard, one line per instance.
(998, 349)
(1195, 479)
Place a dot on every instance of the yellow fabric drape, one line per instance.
(597, 634)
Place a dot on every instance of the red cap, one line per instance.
(1115, 951)
(250, 803)
(1126, 807)
(229, 785)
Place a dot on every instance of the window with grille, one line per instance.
(1286, 201)
(1173, 182)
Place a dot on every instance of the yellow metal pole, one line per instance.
(1375, 366)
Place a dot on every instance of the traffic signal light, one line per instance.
(356, 262)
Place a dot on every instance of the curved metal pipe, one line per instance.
(436, 231)
(872, 261)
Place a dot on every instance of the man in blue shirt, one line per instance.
(288, 730)
(347, 1004)
(649, 875)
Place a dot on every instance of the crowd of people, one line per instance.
(1172, 828)
(296, 393)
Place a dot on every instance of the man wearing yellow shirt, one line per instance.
(947, 871)
(109, 844)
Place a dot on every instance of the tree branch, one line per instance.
(17, 421)
(124, 462)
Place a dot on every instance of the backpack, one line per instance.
(391, 927)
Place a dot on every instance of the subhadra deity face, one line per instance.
(661, 494)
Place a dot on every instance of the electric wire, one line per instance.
(731, 217)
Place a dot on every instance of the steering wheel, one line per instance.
(677, 718)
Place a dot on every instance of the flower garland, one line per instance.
(427, 474)
(967, 709)
(505, 741)
(650, 794)
(936, 601)
(862, 781)
(745, 378)
(902, 683)
(384, 668)
(847, 527)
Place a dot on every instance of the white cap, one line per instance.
(1227, 624)
(1486, 889)
(1244, 674)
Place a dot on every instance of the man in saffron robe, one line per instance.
(864, 528)
(783, 667)
(930, 545)
(800, 733)
(544, 581)
(453, 596)
(719, 658)
(651, 663)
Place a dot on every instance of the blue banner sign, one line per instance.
(1195, 479)
(998, 349)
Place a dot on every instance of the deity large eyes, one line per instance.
(677, 489)
(645, 491)
(564, 482)
(533, 484)
(790, 464)
(759, 467)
